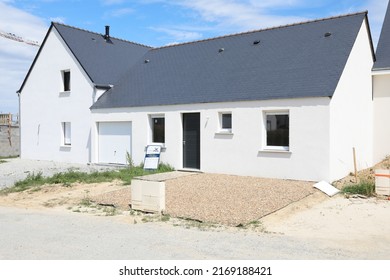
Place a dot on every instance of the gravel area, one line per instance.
(18, 169)
(231, 200)
(119, 199)
(224, 199)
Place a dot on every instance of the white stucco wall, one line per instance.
(381, 115)
(240, 153)
(44, 108)
(351, 112)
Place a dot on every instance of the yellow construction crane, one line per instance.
(12, 36)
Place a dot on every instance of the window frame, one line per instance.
(152, 128)
(66, 85)
(66, 128)
(223, 129)
(267, 147)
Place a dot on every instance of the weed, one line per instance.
(85, 202)
(110, 211)
(129, 160)
(72, 176)
(366, 188)
(165, 218)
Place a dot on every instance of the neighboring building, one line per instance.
(381, 93)
(9, 136)
(288, 102)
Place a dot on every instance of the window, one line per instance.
(277, 130)
(66, 80)
(158, 129)
(225, 120)
(66, 134)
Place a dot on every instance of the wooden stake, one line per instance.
(354, 163)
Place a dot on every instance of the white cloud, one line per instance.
(241, 15)
(58, 19)
(179, 35)
(118, 13)
(112, 2)
(16, 57)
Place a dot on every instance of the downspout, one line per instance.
(20, 124)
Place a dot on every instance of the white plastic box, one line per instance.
(148, 196)
(382, 181)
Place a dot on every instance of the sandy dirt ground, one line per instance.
(57, 196)
(356, 224)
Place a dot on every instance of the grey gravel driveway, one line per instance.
(18, 169)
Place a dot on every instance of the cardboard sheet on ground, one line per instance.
(326, 188)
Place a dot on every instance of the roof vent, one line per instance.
(221, 50)
(146, 60)
(256, 42)
(327, 34)
(107, 34)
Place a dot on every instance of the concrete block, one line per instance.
(148, 196)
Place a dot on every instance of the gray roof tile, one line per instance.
(104, 61)
(294, 61)
(383, 48)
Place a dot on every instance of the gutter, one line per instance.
(102, 86)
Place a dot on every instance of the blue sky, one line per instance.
(154, 23)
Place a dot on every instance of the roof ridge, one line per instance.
(263, 29)
(96, 33)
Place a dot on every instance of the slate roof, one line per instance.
(294, 61)
(383, 48)
(105, 62)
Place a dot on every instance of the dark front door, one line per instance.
(191, 140)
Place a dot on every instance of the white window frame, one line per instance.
(221, 129)
(66, 129)
(155, 116)
(275, 148)
(63, 80)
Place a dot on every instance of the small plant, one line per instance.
(129, 160)
(110, 211)
(86, 201)
(165, 218)
(366, 188)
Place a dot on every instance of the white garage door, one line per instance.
(114, 142)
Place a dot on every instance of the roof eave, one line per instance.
(35, 59)
(74, 55)
(370, 38)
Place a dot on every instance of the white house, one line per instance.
(287, 102)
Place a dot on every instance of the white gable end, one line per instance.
(46, 104)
